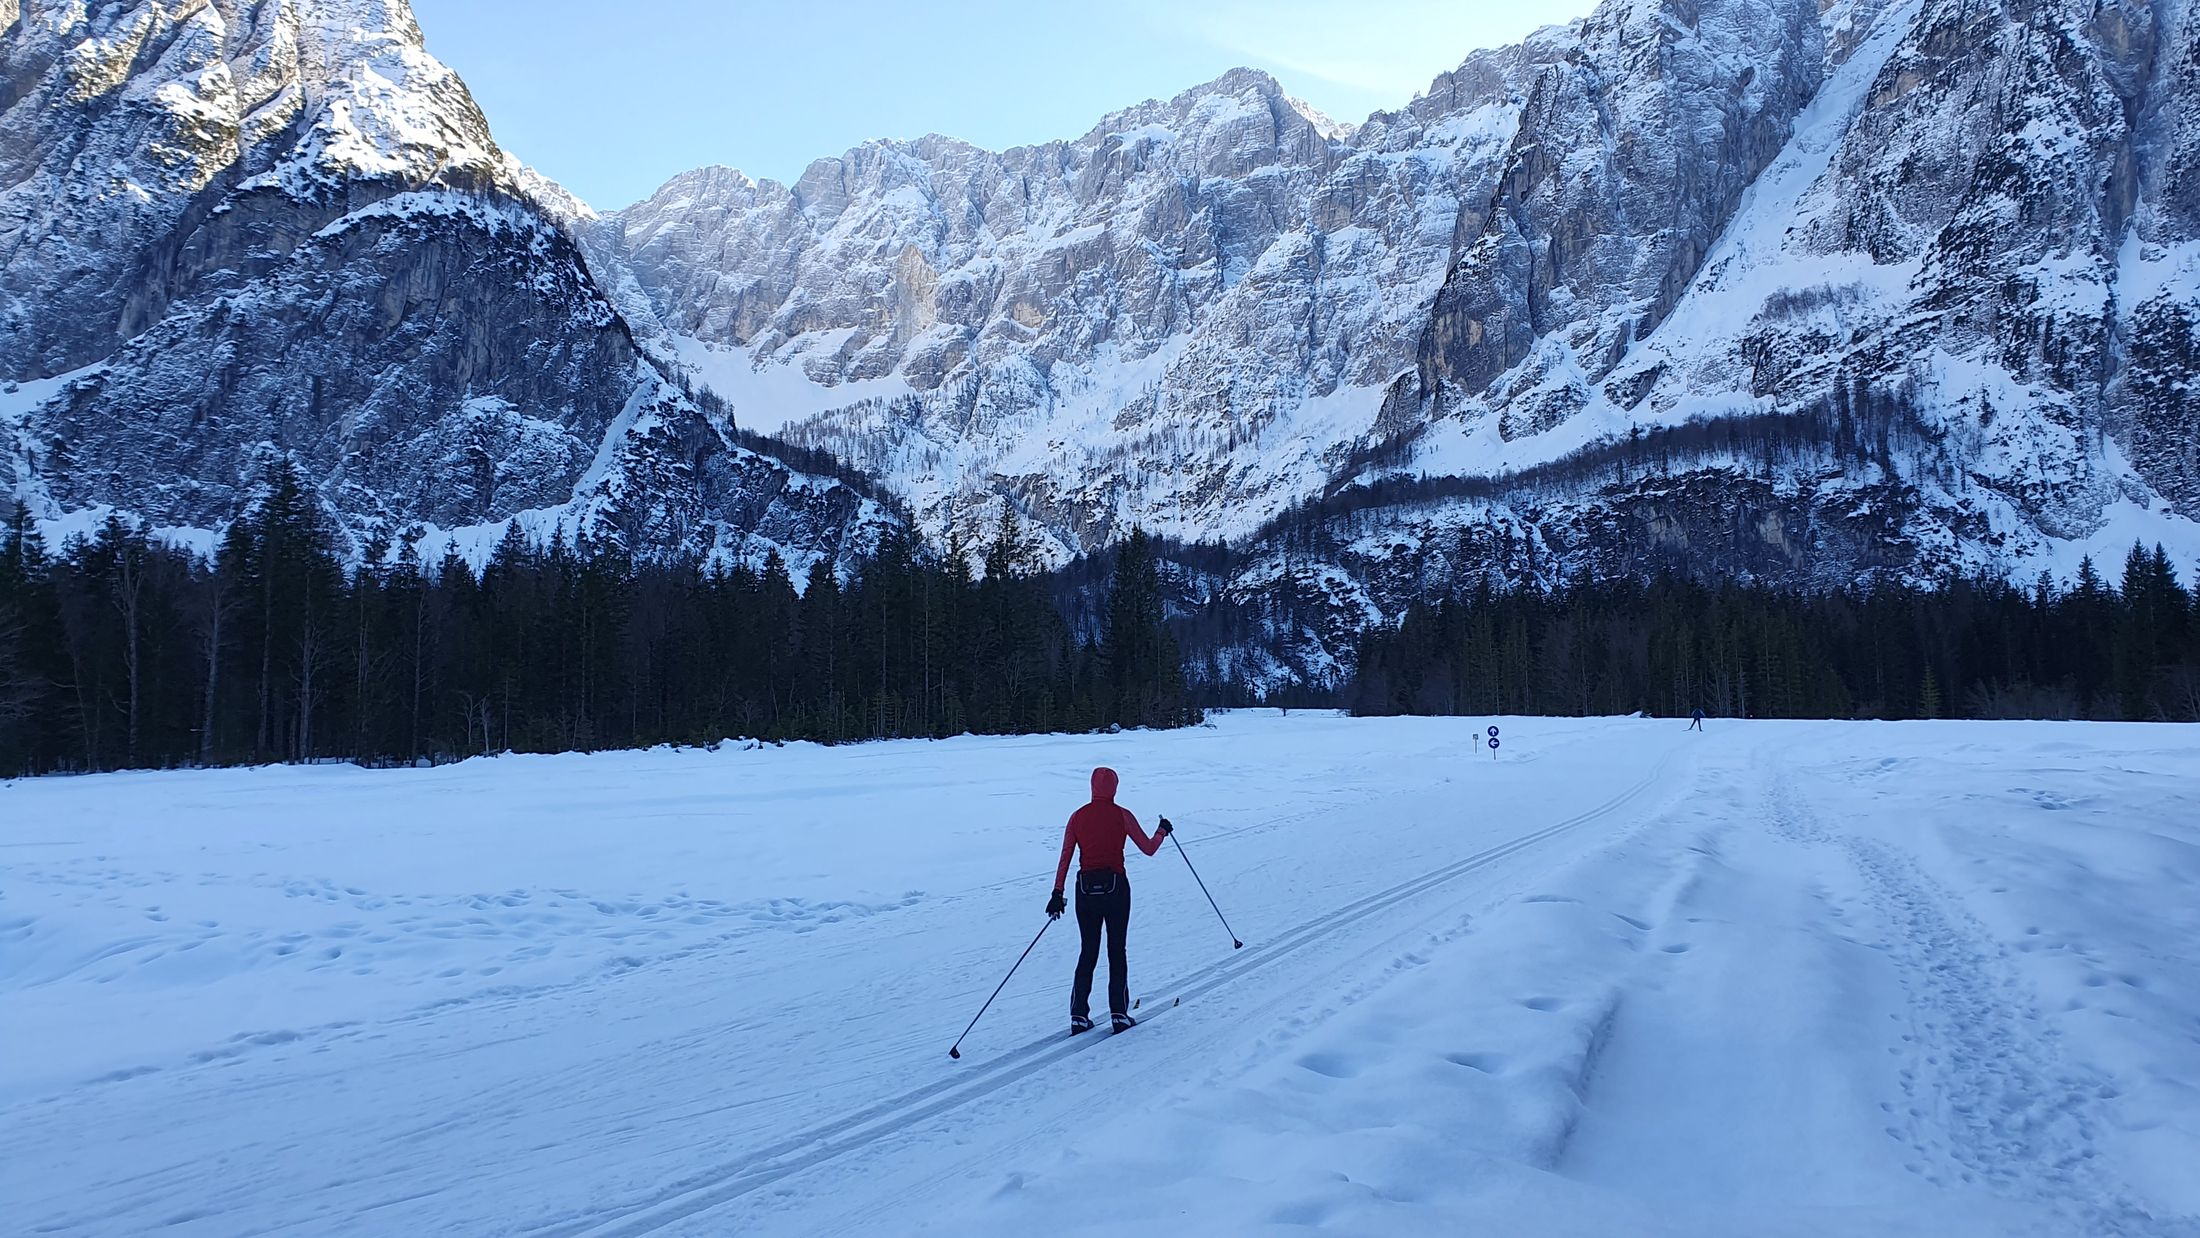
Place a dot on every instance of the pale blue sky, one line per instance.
(613, 99)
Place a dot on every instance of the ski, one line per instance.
(1136, 1003)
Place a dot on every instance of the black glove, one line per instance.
(1056, 906)
(1166, 829)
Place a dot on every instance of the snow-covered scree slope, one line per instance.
(1801, 292)
(239, 230)
(1779, 978)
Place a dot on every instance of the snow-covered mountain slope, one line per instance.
(1183, 318)
(1944, 244)
(1948, 327)
(1780, 978)
(1893, 289)
(1883, 289)
(244, 230)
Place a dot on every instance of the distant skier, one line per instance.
(1097, 831)
(1695, 721)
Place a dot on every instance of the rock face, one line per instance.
(1626, 166)
(1132, 326)
(234, 231)
(2152, 396)
(1915, 283)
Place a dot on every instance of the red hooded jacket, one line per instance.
(1098, 830)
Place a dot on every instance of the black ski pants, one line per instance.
(1095, 910)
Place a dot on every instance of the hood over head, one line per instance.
(1103, 785)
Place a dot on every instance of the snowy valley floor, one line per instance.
(1779, 978)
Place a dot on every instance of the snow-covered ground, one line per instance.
(1779, 978)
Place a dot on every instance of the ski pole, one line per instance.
(955, 1050)
(1235, 944)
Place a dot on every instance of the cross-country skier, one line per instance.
(1695, 721)
(1096, 832)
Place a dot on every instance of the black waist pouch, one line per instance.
(1097, 880)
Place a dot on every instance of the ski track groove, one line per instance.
(874, 1123)
(512, 996)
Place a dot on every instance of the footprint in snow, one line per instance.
(1311, 1212)
(1332, 1065)
(1487, 1063)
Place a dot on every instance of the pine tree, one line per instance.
(1145, 672)
(19, 691)
(122, 553)
(819, 625)
(39, 687)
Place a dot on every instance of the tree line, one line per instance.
(2087, 649)
(120, 651)
(1860, 423)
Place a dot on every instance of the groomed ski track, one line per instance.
(841, 1136)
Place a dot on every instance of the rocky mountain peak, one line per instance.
(235, 232)
(130, 124)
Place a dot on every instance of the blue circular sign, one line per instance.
(1493, 732)
(1493, 743)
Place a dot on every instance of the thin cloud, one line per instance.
(1385, 52)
